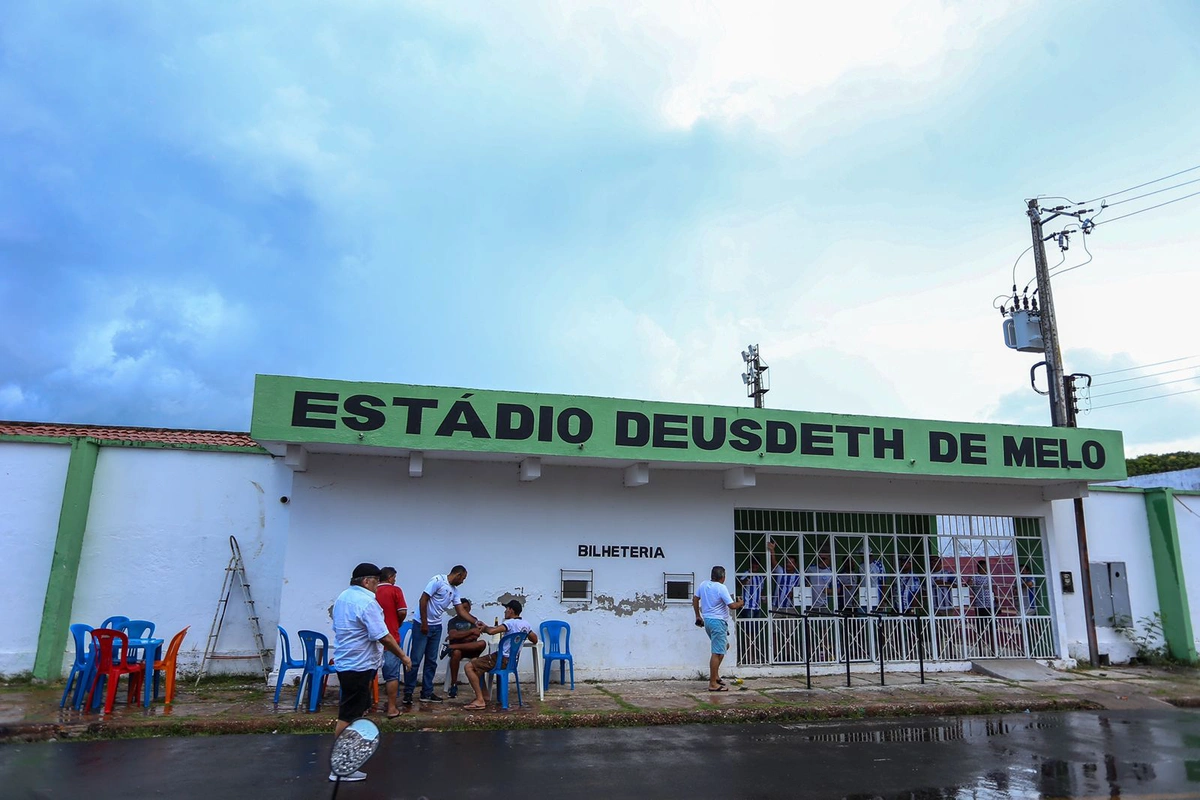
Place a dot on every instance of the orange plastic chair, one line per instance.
(166, 665)
(112, 670)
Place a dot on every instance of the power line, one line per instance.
(1018, 261)
(1143, 366)
(1143, 399)
(1148, 208)
(1140, 185)
(1143, 377)
(1144, 388)
(1156, 191)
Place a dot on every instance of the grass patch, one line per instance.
(624, 704)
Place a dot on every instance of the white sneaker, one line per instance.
(356, 776)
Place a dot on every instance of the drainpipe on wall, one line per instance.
(64, 569)
(1169, 574)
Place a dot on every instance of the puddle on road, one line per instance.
(940, 732)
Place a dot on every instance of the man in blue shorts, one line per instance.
(712, 604)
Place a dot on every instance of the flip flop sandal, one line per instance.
(719, 689)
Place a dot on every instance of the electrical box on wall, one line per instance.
(1023, 331)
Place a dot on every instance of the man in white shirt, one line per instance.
(440, 595)
(820, 577)
(712, 604)
(477, 667)
(359, 638)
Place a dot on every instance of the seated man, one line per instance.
(476, 667)
(462, 639)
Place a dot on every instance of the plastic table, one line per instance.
(494, 639)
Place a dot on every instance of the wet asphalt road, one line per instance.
(1079, 755)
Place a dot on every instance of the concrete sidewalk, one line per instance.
(30, 713)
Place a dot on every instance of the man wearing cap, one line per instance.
(359, 638)
(476, 667)
(440, 595)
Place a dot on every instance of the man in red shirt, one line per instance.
(391, 599)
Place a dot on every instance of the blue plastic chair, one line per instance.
(81, 670)
(406, 629)
(551, 630)
(138, 629)
(114, 623)
(511, 642)
(286, 662)
(317, 668)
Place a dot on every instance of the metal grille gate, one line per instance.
(978, 584)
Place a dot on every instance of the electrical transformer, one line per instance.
(1023, 331)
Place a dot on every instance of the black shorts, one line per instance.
(356, 694)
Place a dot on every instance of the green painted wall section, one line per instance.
(1169, 574)
(436, 418)
(60, 589)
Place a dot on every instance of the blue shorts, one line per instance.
(718, 634)
(393, 667)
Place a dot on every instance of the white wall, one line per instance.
(1116, 531)
(31, 488)
(1187, 515)
(157, 544)
(515, 537)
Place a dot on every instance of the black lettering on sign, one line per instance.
(781, 437)
(1093, 455)
(416, 411)
(463, 418)
(513, 421)
(895, 444)
(1047, 452)
(620, 551)
(633, 429)
(854, 434)
(670, 425)
(364, 412)
(943, 447)
(816, 439)
(1065, 456)
(974, 448)
(304, 405)
(545, 423)
(718, 434)
(583, 425)
(1018, 454)
(744, 435)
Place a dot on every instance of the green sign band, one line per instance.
(433, 418)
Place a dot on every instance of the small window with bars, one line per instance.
(575, 585)
(678, 586)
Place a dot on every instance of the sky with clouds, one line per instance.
(590, 199)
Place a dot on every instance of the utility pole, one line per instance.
(755, 375)
(1085, 562)
(1062, 391)
(1054, 369)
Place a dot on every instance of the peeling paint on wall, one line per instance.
(507, 598)
(626, 608)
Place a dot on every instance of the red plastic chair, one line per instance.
(166, 665)
(111, 668)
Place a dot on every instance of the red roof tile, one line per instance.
(123, 434)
